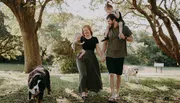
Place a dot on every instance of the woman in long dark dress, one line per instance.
(88, 66)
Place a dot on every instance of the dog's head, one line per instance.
(36, 85)
(135, 70)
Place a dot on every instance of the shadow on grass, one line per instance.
(61, 89)
(1, 81)
(65, 89)
(161, 91)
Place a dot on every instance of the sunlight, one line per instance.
(12, 82)
(139, 87)
(163, 88)
(71, 92)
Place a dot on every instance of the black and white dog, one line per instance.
(38, 80)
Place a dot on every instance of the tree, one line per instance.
(10, 45)
(158, 17)
(163, 18)
(144, 51)
(24, 11)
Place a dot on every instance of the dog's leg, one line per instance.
(48, 84)
(137, 79)
(126, 78)
(30, 95)
(40, 97)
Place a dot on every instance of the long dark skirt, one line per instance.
(89, 72)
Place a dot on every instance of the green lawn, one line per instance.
(9, 67)
(162, 89)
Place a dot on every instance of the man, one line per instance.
(116, 51)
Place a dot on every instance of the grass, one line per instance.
(9, 67)
(163, 89)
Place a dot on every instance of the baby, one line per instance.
(109, 9)
(77, 45)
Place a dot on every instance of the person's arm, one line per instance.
(104, 47)
(120, 27)
(107, 30)
(73, 46)
(99, 52)
(129, 38)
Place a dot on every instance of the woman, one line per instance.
(88, 66)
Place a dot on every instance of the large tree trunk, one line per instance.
(25, 10)
(31, 46)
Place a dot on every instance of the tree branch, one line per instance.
(172, 17)
(39, 22)
(2, 52)
(117, 2)
(167, 23)
(161, 3)
(145, 14)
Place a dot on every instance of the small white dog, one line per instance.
(130, 71)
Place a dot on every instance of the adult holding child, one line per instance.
(110, 10)
(116, 50)
(88, 66)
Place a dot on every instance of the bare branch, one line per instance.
(117, 2)
(172, 17)
(145, 14)
(39, 22)
(161, 3)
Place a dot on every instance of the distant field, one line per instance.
(9, 67)
(20, 67)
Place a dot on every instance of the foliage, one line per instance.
(10, 45)
(144, 51)
(66, 65)
(102, 67)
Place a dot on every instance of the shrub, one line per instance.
(102, 67)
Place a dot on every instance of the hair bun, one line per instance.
(109, 4)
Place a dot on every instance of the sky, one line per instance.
(81, 7)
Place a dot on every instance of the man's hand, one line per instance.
(103, 59)
(121, 36)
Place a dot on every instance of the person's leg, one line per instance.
(82, 76)
(111, 81)
(119, 69)
(112, 85)
(118, 83)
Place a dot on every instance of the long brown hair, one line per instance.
(89, 28)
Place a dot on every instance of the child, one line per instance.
(77, 45)
(109, 9)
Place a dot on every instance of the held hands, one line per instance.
(103, 58)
